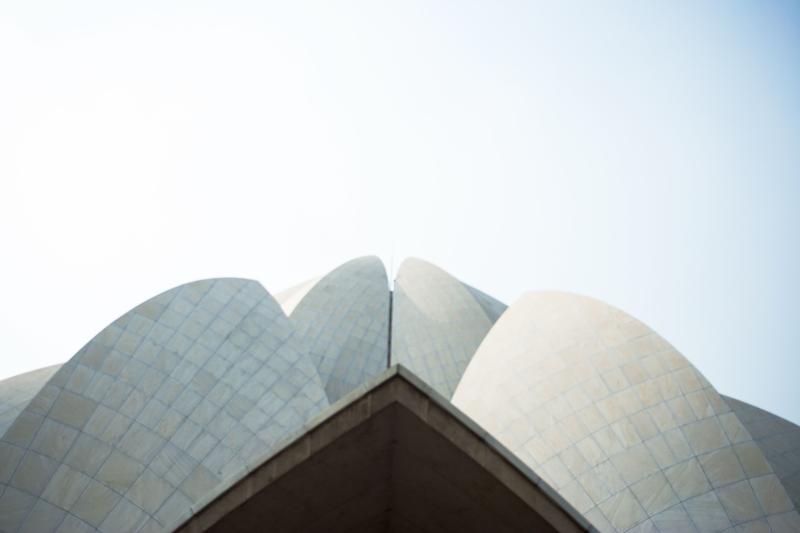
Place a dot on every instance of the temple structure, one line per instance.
(343, 405)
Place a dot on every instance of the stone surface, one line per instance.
(777, 438)
(437, 323)
(215, 385)
(158, 409)
(560, 375)
(289, 298)
(16, 392)
(343, 321)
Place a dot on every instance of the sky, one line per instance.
(643, 153)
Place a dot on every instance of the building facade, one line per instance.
(205, 407)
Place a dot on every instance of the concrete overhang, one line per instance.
(391, 456)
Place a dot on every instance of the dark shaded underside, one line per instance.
(404, 466)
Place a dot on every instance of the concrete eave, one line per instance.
(396, 387)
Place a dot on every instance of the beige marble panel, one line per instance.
(343, 323)
(588, 395)
(17, 391)
(289, 298)
(437, 323)
(157, 411)
(777, 438)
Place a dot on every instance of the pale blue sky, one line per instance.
(644, 153)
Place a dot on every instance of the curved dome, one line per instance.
(778, 438)
(491, 306)
(617, 421)
(437, 323)
(289, 298)
(344, 322)
(17, 391)
(156, 411)
(203, 387)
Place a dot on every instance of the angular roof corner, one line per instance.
(389, 452)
